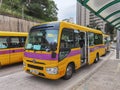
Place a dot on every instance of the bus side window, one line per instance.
(68, 38)
(66, 43)
(14, 42)
(91, 39)
(22, 41)
(98, 39)
(3, 42)
(76, 38)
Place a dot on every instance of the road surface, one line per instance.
(13, 78)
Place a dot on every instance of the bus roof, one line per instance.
(71, 26)
(82, 28)
(7, 33)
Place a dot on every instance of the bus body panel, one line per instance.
(4, 57)
(16, 55)
(92, 55)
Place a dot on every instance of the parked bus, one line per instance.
(11, 47)
(56, 49)
(106, 42)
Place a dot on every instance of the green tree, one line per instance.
(43, 9)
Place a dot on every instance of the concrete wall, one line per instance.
(14, 24)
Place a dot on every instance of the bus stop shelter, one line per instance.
(109, 11)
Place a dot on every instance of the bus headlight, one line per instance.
(53, 70)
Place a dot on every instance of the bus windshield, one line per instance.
(41, 39)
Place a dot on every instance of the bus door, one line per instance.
(4, 51)
(84, 47)
(87, 48)
(91, 46)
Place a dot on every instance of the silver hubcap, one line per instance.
(69, 71)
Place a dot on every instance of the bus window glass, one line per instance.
(67, 38)
(98, 39)
(77, 36)
(41, 39)
(14, 42)
(67, 42)
(3, 42)
(22, 41)
(91, 39)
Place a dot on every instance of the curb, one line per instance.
(82, 80)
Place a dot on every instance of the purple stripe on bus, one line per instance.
(4, 52)
(48, 56)
(91, 49)
(97, 47)
(74, 53)
(40, 56)
(18, 50)
(10, 51)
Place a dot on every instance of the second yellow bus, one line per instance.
(11, 47)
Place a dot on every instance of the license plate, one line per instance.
(34, 71)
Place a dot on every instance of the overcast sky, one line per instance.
(67, 9)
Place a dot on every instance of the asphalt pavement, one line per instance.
(107, 77)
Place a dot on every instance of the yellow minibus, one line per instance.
(11, 47)
(56, 49)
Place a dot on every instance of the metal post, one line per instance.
(117, 45)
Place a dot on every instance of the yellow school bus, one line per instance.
(56, 49)
(11, 47)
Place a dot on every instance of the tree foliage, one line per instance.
(41, 9)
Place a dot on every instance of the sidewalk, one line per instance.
(107, 77)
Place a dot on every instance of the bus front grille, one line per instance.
(35, 67)
(35, 62)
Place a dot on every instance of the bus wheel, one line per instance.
(97, 58)
(69, 72)
(0, 65)
(105, 52)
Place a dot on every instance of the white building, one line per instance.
(82, 16)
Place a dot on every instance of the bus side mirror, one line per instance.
(53, 54)
(53, 46)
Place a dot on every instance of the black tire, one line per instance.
(105, 52)
(69, 72)
(97, 58)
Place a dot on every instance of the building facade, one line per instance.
(96, 22)
(82, 15)
(86, 18)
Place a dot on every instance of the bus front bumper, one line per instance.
(49, 73)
